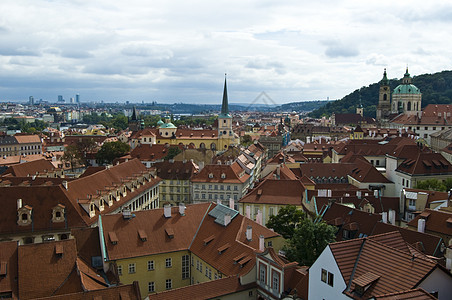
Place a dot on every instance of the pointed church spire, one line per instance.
(384, 80)
(225, 105)
(134, 114)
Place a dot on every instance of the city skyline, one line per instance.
(178, 52)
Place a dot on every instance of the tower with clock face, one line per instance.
(384, 100)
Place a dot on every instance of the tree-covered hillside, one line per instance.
(435, 88)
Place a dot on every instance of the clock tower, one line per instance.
(384, 100)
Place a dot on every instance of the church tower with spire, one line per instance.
(225, 133)
(384, 100)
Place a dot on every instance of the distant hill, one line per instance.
(435, 88)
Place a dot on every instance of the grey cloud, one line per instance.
(337, 49)
(22, 51)
(75, 53)
(260, 64)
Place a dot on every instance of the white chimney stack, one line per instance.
(384, 217)
(376, 193)
(227, 219)
(259, 217)
(231, 203)
(182, 209)
(421, 225)
(248, 212)
(249, 233)
(19, 203)
(261, 243)
(64, 183)
(167, 211)
(391, 216)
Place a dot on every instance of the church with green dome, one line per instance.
(406, 98)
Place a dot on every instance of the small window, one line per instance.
(132, 268)
(324, 275)
(151, 287)
(168, 284)
(24, 217)
(119, 270)
(168, 263)
(150, 265)
(330, 279)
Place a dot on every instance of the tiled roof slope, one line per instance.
(284, 173)
(122, 292)
(29, 168)
(395, 269)
(276, 191)
(426, 164)
(233, 234)
(432, 114)
(233, 174)
(427, 243)
(435, 221)
(415, 294)
(49, 274)
(343, 217)
(154, 224)
(175, 169)
(369, 147)
(8, 260)
(148, 152)
(207, 290)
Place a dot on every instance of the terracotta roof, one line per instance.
(207, 290)
(284, 173)
(426, 163)
(239, 258)
(414, 294)
(175, 169)
(50, 273)
(30, 168)
(333, 170)
(430, 244)
(432, 114)
(365, 221)
(396, 270)
(276, 191)
(9, 268)
(232, 174)
(435, 222)
(154, 224)
(122, 292)
(147, 152)
(27, 139)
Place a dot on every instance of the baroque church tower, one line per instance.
(384, 100)
(225, 133)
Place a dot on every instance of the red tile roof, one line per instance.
(9, 268)
(122, 292)
(232, 174)
(175, 169)
(207, 290)
(435, 222)
(30, 168)
(276, 191)
(414, 294)
(426, 164)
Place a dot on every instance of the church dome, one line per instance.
(406, 89)
(160, 123)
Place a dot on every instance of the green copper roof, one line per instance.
(160, 122)
(168, 125)
(406, 89)
(385, 80)
(225, 105)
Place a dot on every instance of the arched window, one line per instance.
(408, 106)
(202, 146)
(213, 146)
(385, 97)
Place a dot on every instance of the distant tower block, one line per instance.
(77, 98)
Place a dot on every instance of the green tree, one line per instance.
(172, 152)
(72, 156)
(433, 185)
(286, 221)
(111, 150)
(308, 241)
(246, 140)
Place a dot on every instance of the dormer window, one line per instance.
(210, 175)
(223, 176)
(24, 215)
(58, 213)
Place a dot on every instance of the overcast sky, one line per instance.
(178, 51)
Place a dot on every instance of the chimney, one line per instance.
(384, 217)
(182, 209)
(231, 203)
(248, 212)
(19, 204)
(64, 183)
(278, 171)
(421, 225)
(376, 194)
(358, 194)
(227, 219)
(391, 216)
(261, 243)
(259, 217)
(167, 211)
(249, 233)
